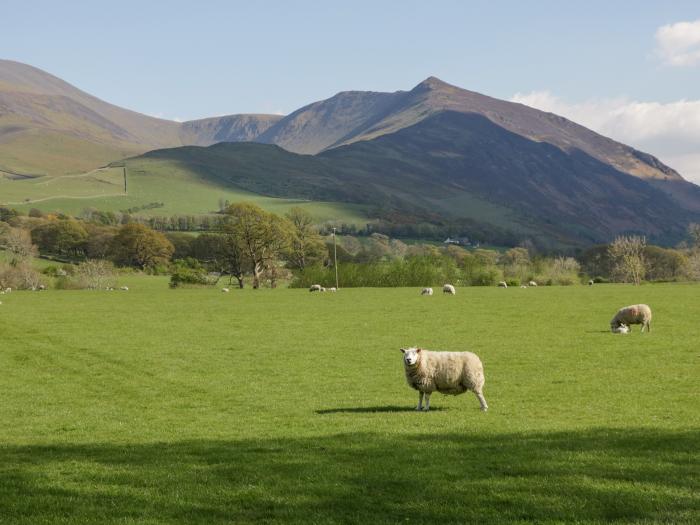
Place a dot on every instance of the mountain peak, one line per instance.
(432, 83)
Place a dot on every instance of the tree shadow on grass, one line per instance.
(592, 476)
(370, 410)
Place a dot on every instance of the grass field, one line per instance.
(179, 190)
(159, 406)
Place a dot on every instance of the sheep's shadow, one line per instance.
(598, 331)
(370, 410)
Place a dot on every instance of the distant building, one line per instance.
(450, 241)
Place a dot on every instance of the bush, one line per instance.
(485, 277)
(94, 274)
(190, 272)
(513, 282)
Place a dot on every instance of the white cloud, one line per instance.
(679, 44)
(668, 131)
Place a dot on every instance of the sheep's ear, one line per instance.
(418, 349)
(403, 350)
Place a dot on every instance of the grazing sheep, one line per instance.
(225, 290)
(590, 282)
(42, 287)
(316, 288)
(523, 286)
(445, 372)
(448, 288)
(323, 288)
(634, 314)
(8, 290)
(124, 288)
(502, 284)
(426, 291)
(622, 329)
(532, 283)
(333, 289)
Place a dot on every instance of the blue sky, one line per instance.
(186, 60)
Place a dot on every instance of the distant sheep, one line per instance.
(333, 289)
(523, 286)
(622, 329)
(124, 288)
(426, 291)
(316, 288)
(532, 283)
(450, 373)
(634, 314)
(502, 284)
(449, 289)
(8, 290)
(225, 290)
(590, 282)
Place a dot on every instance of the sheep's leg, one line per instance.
(482, 401)
(427, 401)
(420, 401)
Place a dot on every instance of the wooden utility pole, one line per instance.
(124, 168)
(335, 260)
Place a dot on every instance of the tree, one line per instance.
(62, 237)
(95, 274)
(627, 253)
(694, 233)
(305, 244)
(18, 243)
(263, 236)
(222, 253)
(137, 245)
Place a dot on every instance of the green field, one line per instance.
(160, 406)
(180, 191)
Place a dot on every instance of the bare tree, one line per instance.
(694, 233)
(627, 254)
(95, 274)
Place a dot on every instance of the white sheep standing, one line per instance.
(633, 314)
(315, 288)
(502, 284)
(124, 288)
(225, 290)
(532, 283)
(450, 373)
(333, 289)
(426, 291)
(449, 289)
(523, 286)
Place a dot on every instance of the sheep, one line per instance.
(622, 329)
(333, 289)
(523, 286)
(323, 288)
(502, 284)
(590, 282)
(426, 291)
(445, 372)
(532, 283)
(8, 290)
(124, 288)
(315, 288)
(449, 289)
(225, 290)
(42, 287)
(634, 314)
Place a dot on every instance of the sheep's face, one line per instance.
(410, 356)
(622, 329)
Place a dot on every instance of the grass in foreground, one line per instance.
(193, 406)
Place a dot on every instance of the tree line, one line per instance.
(253, 244)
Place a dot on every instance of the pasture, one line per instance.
(159, 406)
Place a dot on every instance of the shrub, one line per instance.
(190, 272)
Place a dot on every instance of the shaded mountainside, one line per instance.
(484, 174)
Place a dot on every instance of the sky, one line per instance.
(627, 69)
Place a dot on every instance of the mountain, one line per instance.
(437, 154)
(492, 181)
(229, 128)
(48, 126)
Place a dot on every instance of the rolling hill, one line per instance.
(50, 127)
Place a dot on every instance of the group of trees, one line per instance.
(253, 243)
